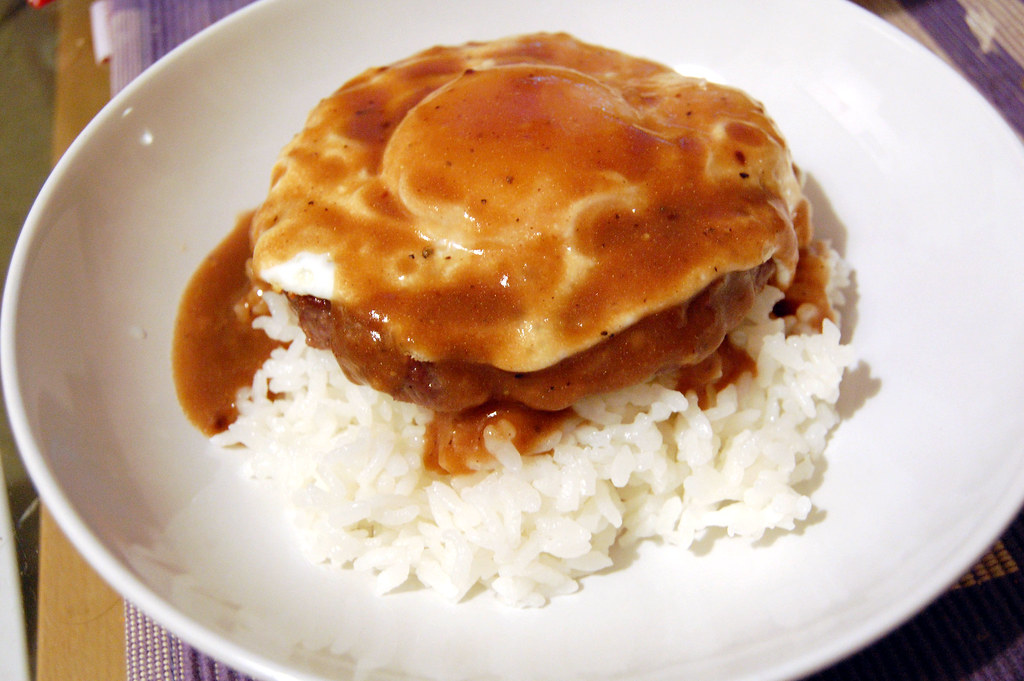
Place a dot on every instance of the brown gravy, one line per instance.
(462, 182)
(720, 369)
(216, 351)
(806, 298)
(712, 202)
(807, 305)
(677, 336)
(455, 440)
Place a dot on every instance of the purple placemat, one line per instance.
(984, 40)
(142, 31)
(974, 632)
(153, 654)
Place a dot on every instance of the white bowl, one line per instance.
(917, 180)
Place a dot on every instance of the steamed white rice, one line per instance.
(644, 462)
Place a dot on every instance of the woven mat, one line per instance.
(975, 632)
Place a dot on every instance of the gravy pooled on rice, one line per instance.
(527, 222)
(505, 233)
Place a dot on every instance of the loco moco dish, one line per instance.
(527, 266)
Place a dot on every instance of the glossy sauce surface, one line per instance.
(455, 440)
(215, 350)
(678, 336)
(536, 193)
(806, 304)
(722, 368)
(523, 222)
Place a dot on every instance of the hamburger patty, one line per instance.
(680, 336)
(532, 219)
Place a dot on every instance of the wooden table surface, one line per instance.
(80, 632)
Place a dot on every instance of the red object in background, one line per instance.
(39, 3)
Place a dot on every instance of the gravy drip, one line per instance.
(806, 305)
(720, 369)
(455, 440)
(215, 350)
(458, 184)
(804, 308)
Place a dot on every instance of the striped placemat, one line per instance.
(975, 632)
(142, 31)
